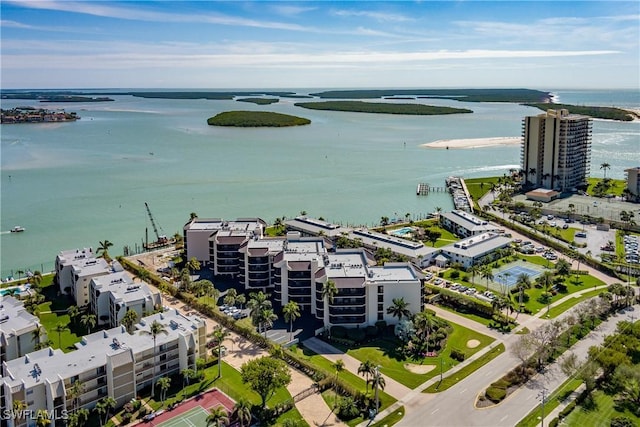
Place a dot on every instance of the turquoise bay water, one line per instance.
(73, 184)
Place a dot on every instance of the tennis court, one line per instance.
(193, 412)
(192, 418)
(509, 276)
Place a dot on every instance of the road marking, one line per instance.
(503, 418)
(488, 373)
(435, 411)
(463, 391)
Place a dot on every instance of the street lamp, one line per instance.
(543, 398)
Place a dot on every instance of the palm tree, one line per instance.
(546, 281)
(217, 417)
(522, 282)
(329, 290)
(60, 328)
(104, 406)
(399, 309)
(103, 250)
(365, 369)
(76, 390)
(18, 407)
(78, 418)
(475, 269)
(291, 312)
(604, 166)
(242, 412)
(42, 418)
(219, 335)
(193, 264)
(185, 279)
(338, 366)
(377, 382)
(268, 317)
(187, 374)
(89, 321)
(142, 274)
(164, 383)
(258, 303)
(73, 313)
(35, 278)
(486, 273)
(130, 318)
(38, 334)
(563, 268)
(155, 329)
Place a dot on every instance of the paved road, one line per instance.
(456, 406)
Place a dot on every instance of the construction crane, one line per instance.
(161, 239)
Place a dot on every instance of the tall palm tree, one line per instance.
(377, 383)
(42, 418)
(73, 312)
(522, 282)
(219, 335)
(365, 369)
(242, 412)
(487, 273)
(164, 383)
(60, 328)
(89, 321)
(156, 328)
(103, 250)
(78, 418)
(475, 269)
(268, 317)
(76, 390)
(217, 417)
(329, 290)
(193, 264)
(604, 166)
(399, 309)
(38, 334)
(338, 366)
(103, 407)
(291, 312)
(187, 374)
(18, 407)
(258, 303)
(130, 318)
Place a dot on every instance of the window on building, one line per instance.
(380, 289)
(380, 298)
(380, 307)
(380, 316)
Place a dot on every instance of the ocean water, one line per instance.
(74, 184)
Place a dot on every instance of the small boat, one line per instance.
(17, 229)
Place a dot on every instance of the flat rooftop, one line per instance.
(14, 319)
(123, 287)
(478, 245)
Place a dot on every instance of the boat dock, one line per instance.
(461, 198)
(423, 189)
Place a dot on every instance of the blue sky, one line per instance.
(327, 44)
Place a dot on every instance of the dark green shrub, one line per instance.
(382, 326)
(357, 335)
(457, 355)
(455, 274)
(622, 422)
(371, 331)
(495, 394)
(554, 422)
(347, 408)
(567, 410)
(338, 332)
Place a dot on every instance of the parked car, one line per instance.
(581, 234)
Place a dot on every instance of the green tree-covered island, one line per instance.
(259, 101)
(256, 119)
(381, 107)
(610, 113)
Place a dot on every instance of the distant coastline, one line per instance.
(473, 142)
(35, 115)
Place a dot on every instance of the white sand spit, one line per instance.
(473, 142)
(473, 343)
(419, 369)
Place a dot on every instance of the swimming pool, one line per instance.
(402, 231)
(7, 291)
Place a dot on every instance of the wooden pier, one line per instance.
(423, 189)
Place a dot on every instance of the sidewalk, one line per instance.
(556, 411)
(392, 387)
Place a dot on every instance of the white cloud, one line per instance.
(378, 16)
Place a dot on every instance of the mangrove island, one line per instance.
(381, 108)
(256, 119)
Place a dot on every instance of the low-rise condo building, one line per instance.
(417, 252)
(475, 249)
(20, 331)
(112, 295)
(76, 268)
(107, 363)
(465, 224)
(257, 271)
(316, 227)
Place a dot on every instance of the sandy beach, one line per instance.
(473, 142)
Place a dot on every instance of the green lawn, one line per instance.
(353, 380)
(478, 187)
(453, 379)
(601, 415)
(561, 308)
(471, 316)
(616, 187)
(383, 352)
(558, 395)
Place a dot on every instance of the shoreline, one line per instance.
(473, 142)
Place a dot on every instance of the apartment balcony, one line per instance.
(350, 301)
(300, 299)
(340, 320)
(356, 292)
(294, 284)
(300, 291)
(346, 311)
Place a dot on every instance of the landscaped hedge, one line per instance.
(456, 299)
